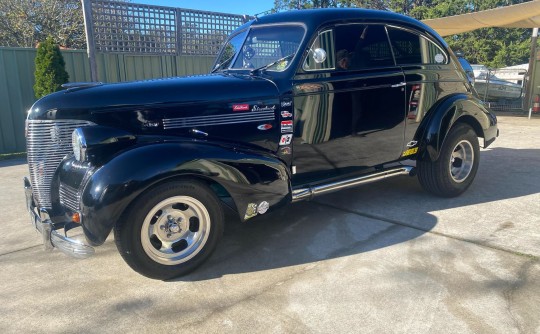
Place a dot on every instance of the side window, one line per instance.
(321, 53)
(411, 48)
(362, 46)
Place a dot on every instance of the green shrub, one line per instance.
(50, 69)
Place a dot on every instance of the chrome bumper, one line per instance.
(51, 238)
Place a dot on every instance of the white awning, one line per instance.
(524, 15)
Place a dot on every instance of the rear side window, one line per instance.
(411, 48)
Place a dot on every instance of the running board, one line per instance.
(311, 191)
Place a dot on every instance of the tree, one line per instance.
(23, 23)
(280, 5)
(50, 69)
(494, 47)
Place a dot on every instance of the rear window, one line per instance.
(411, 48)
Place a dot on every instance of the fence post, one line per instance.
(178, 13)
(90, 42)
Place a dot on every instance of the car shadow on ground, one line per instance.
(342, 224)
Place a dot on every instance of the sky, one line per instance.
(225, 6)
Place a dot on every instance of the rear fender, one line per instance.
(250, 177)
(457, 108)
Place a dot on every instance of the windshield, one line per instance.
(261, 47)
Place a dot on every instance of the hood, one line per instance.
(160, 94)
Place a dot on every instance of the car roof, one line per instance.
(314, 18)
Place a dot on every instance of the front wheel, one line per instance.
(171, 229)
(454, 171)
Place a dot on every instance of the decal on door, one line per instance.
(285, 139)
(286, 126)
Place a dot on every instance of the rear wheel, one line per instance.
(171, 229)
(454, 171)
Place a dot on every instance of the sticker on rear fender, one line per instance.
(410, 151)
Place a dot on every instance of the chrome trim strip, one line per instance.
(245, 117)
(311, 191)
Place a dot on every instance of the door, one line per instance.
(429, 74)
(350, 107)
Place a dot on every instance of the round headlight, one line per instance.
(79, 144)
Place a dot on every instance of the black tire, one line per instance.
(182, 222)
(447, 178)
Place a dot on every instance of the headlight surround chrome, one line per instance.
(78, 142)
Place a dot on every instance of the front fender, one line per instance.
(249, 176)
(444, 114)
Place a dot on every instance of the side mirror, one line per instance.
(319, 55)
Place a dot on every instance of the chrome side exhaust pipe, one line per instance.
(312, 191)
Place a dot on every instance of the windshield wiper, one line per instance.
(262, 68)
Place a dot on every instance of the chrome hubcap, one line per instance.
(461, 161)
(175, 230)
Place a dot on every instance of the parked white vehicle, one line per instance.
(490, 87)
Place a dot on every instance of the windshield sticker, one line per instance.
(286, 126)
(439, 58)
(264, 108)
(282, 65)
(240, 107)
(286, 114)
(285, 139)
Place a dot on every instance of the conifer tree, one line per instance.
(50, 69)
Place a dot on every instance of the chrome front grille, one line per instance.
(70, 197)
(47, 143)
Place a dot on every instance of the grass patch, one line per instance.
(9, 156)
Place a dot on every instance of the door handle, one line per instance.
(401, 84)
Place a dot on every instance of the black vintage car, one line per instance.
(298, 104)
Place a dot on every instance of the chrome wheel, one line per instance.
(461, 161)
(175, 230)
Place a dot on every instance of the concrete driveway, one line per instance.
(380, 258)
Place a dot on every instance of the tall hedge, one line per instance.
(50, 69)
